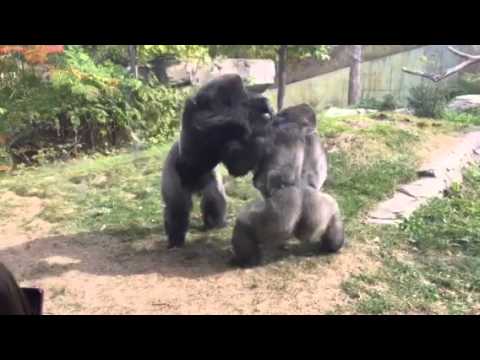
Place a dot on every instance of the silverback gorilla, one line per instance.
(292, 206)
(220, 124)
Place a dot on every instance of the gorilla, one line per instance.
(292, 207)
(222, 123)
(314, 165)
(12, 299)
(314, 172)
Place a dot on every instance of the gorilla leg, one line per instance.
(178, 201)
(245, 244)
(265, 224)
(334, 237)
(214, 203)
(177, 219)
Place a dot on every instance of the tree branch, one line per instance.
(470, 60)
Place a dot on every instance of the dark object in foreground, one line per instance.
(17, 301)
(35, 298)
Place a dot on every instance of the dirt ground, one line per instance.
(95, 274)
(99, 274)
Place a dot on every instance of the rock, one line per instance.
(437, 176)
(403, 111)
(259, 74)
(464, 103)
(338, 112)
(256, 73)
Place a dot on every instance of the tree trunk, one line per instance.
(282, 75)
(355, 81)
(132, 56)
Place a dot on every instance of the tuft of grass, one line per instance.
(463, 119)
(431, 263)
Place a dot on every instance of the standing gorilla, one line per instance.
(291, 207)
(220, 124)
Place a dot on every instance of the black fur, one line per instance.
(219, 124)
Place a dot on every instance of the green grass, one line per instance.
(462, 119)
(440, 271)
(431, 263)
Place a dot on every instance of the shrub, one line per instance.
(428, 101)
(94, 105)
(388, 103)
(463, 118)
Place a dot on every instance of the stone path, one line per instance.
(444, 168)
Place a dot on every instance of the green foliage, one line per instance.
(468, 84)
(369, 103)
(428, 101)
(388, 103)
(191, 52)
(463, 118)
(452, 223)
(99, 103)
(269, 51)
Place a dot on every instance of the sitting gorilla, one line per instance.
(220, 124)
(291, 207)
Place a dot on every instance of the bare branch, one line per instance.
(463, 54)
(470, 60)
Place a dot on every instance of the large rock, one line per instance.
(465, 103)
(259, 74)
(334, 112)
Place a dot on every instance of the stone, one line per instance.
(338, 112)
(438, 175)
(465, 103)
(258, 74)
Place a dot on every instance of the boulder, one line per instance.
(258, 74)
(465, 103)
(338, 112)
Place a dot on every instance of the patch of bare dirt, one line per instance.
(99, 274)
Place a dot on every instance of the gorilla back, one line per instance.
(315, 167)
(221, 114)
(291, 207)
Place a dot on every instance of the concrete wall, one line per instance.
(379, 77)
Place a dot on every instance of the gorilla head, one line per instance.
(240, 156)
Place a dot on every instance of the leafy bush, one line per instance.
(428, 101)
(388, 103)
(369, 103)
(94, 105)
(463, 118)
(468, 84)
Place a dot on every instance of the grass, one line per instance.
(121, 194)
(462, 119)
(427, 266)
(431, 263)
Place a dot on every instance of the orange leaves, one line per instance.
(34, 54)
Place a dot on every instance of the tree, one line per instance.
(32, 54)
(468, 60)
(133, 59)
(355, 80)
(281, 54)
